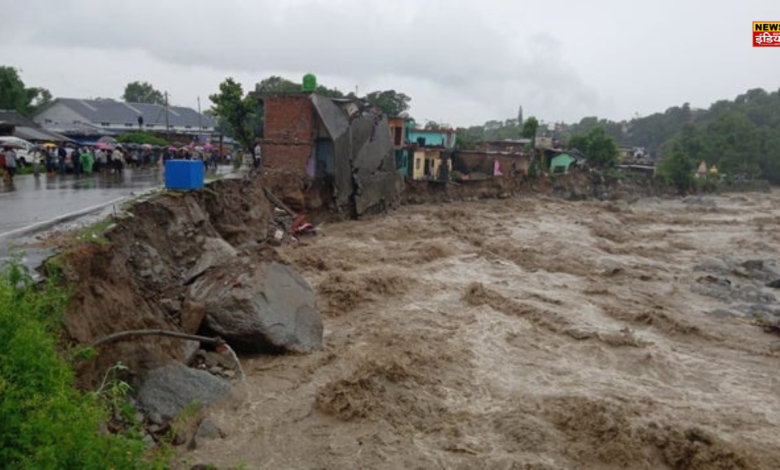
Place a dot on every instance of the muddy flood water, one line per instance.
(528, 333)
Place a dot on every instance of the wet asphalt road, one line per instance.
(29, 201)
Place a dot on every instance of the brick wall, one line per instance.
(289, 132)
(482, 162)
(288, 157)
(288, 118)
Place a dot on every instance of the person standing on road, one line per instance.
(10, 163)
(49, 161)
(62, 153)
(36, 161)
(258, 157)
(116, 160)
(75, 160)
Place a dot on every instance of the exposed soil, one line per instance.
(525, 333)
(135, 278)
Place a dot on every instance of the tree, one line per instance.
(238, 111)
(598, 146)
(41, 98)
(277, 84)
(736, 141)
(467, 139)
(138, 137)
(601, 149)
(14, 95)
(677, 169)
(391, 102)
(329, 92)
(142, 92)
(579, 142)
(529, 129)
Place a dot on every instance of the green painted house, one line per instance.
(561, 163)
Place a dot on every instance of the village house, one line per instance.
(431, 152)
(441, 138)
(399, 131)
(506, 146)
(562, 161)
(88, 120)
(344, 145)
(14, 124)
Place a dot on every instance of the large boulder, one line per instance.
(169, 390)
(264, 307)
(216, 251)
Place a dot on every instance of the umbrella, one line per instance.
(172, 148)
(104, 146)
(49, 145)
(146, 146)
(11, 145)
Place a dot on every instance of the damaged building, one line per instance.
(343, 147)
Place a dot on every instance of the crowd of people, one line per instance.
(101, 159)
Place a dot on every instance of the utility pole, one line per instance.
(167, 126)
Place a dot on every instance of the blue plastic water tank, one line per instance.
(184, 174)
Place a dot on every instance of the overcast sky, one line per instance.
(461, 62)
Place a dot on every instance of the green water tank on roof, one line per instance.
(309, 83)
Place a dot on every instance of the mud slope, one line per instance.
(522, 333)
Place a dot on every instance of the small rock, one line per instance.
(139, 417)
(774, 284)
(721, 313)
(229, 373)
(712, 265)
(148, 441)
(206, 431)
(97, 290)
(156, 418)
(753, 264)
(171, 306)
(179, 438)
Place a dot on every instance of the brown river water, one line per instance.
(528, 333)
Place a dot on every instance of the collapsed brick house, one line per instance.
(337, 143)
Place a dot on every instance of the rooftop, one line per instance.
(120, 112)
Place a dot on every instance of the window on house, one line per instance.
(129, 124)
(188, 127)
(417, 163)
(47, 121)
(105, 124)
(397, 136)
(150, 125)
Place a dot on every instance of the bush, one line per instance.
(46, 422)
(677, 170)
(141, 138)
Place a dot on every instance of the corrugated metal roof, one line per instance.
(9, 116)
(37, 134)
(120, 112)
